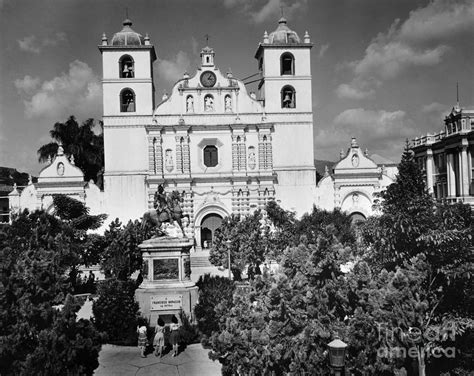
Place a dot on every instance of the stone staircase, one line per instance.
(200, 262)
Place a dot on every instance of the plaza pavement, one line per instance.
(126, 360)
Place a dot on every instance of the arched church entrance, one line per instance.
(209, 224)
(357, 217)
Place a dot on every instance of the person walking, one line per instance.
(159, 339)
(142, 338)
(174, 336)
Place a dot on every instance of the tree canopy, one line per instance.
(37, 253)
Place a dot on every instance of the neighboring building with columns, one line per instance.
(447, 158)
(226, 150)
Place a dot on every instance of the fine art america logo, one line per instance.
(415, 342)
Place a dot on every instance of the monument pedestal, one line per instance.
(167, 288)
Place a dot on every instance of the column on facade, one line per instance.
(238, 152)
(451, 175)
(429, 170)
(155, 155)
(464, 170)
(265, 157)
(182, 154)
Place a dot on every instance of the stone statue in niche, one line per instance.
(228, 104)
(252, 160)
(208, 104)
(355, 198)
(355, 160)
(190, 104)
(169, 165)
(60, 169)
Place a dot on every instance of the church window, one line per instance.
(287, 64)
(265, 159)
(127, 67)
(127, 100)
(288, 97)
(210, 156)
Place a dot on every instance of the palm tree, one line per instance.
(81, 142)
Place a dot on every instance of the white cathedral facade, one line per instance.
(224, 149)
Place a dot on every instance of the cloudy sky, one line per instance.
(383, 70)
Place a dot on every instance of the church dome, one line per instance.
(127, 37)
(283, 34)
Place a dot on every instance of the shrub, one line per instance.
(116, 311)
(70, 347)
(213, 290)
(189, 332)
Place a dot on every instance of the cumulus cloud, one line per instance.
(32, 44)
(77, 92)
(353, 92)
(169, 71)
(422, 40)
(27, 85)
(260, 11)
(375, 125)
(384, 132)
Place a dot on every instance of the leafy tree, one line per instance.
(122, 257)
(76, 341)
(116, 312)
(213, 291)
(284, 322)
(36, 251)
(247, 239)
(80, 141)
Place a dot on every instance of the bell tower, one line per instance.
(128, 103)
(285, 65)
(127, 63)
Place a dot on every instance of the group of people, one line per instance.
(159, 336)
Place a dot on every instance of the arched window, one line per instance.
(288, 97)
(287, 64)
(210, 156)
(126, 67)
(127, 100)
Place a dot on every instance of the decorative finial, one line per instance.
(366, 152)
(72, 159)
(207, 36)
(306, 38)
(229, 73)
(165, 96)
(341, 154)
(30, 179)
(186, 75)
(354, 143)
(326, 171)
(14, 186)
(60, 149)
(49, 159)
(105, 42)
(147, 40)
(265, 37)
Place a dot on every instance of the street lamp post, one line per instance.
(228, 258)
(337, 352)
